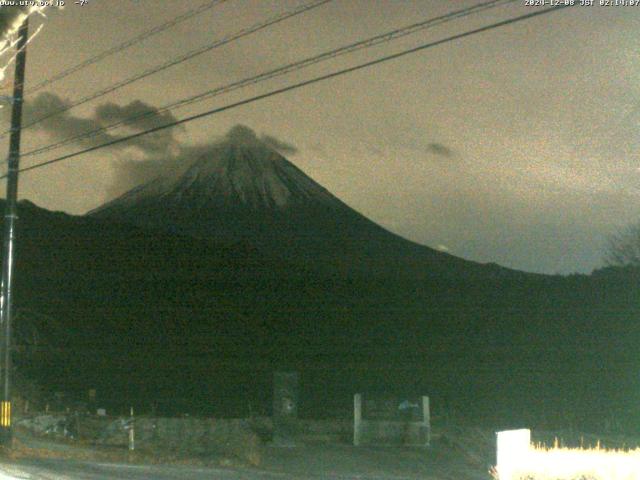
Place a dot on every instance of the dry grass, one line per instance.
(158, 440)
(557, 463)
(233, 454)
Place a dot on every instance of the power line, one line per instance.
(367, 43)
(126, 44)
(177, 60)
(298, 85)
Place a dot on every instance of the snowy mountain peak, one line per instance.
(252, 174)
(241, 189)
(242, 169)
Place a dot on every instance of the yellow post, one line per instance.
(5, 414)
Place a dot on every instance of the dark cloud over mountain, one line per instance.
(278, 145)
(440, 150)
(131, 172)
(67, 125)
(155, 154)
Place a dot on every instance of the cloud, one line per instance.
(440, 150)
(144, 158)
(278, 145)
(141, 159)
(131, 172)
(241, 134)
(61, 126)
(145, 117)
(418, 143)
(66, 125)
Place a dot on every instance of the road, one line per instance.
(56, 469)
(318, 462)
(468, 458)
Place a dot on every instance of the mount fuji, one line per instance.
(208, 280)
(242, 190)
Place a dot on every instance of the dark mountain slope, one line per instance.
(241, 190)
(190, 290)
(196, 325)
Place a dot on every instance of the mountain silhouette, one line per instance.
(147, 314)
(242, 190)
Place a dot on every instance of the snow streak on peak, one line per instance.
(241, 189)
(252, 174)
(241, 170)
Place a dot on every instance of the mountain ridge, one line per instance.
(241, 189)
(142, 314)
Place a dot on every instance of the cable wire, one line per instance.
(126, 44)
(298, 85)
(178, 60)
(367, 43)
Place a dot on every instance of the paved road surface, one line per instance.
(73, 470)
(309, 462)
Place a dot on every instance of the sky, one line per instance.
(517, 146)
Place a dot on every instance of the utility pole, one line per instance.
(10, 216)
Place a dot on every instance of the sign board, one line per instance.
(379, 420)
(392, 408)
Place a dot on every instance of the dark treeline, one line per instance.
(193, 326)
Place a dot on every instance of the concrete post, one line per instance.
(426, 418)
(285, 408)
(132, 434)
(357, 418)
